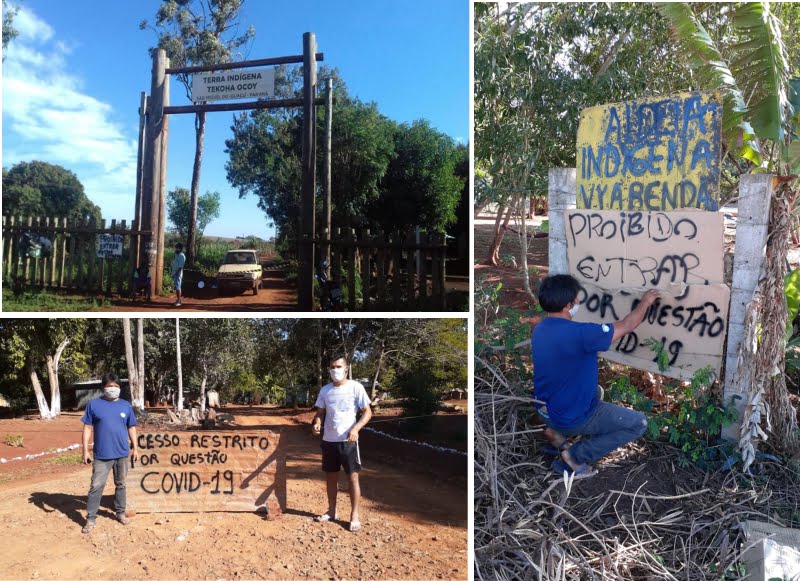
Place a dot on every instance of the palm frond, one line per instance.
(762, 68)
(714, 72)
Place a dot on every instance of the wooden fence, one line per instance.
(74, 263)
(387, 272)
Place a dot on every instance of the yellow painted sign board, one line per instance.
(653, 154)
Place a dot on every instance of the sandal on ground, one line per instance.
(324, 518)
(124, 519)
(355, 526)
(87, 528)
(559, 467)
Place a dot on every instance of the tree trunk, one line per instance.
(179, 406)
(200, 131)
(523, 244)
(374, 386)
(53, 362)
(41, 401)
(138, 397)
(133, 370)
(203, 390)
(493, 259)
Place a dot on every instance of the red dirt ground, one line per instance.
(415, 518)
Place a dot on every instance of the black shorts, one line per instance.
(337, 455)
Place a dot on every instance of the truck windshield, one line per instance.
(240, 258)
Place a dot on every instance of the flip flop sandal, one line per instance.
(87, 528)
(324, 518)
(559, 467)
(355, 526)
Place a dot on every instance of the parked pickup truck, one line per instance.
(240, 269)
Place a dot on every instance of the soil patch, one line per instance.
(415, 525)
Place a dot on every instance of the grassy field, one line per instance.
(48, 301)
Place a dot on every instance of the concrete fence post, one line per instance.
(752, 225)
(560, 196)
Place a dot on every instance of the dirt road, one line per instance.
(275, 294)
(415, 523)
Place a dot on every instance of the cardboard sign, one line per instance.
(109, 245)
(208, 471)
(643, 250)
(651, 154)
(235, 84)
(691, 323)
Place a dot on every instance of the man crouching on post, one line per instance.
(565, 378)
(339, 402)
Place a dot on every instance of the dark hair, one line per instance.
(110, 378)
(337, 356)
(179, 246)
(557, 291)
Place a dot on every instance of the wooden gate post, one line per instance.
(309, 169)
(752, 225)
(137, 211)
(326, 168)
(162, 190)
(151, 181)
(560, 196)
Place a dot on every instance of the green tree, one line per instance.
(421, 185)
(43, 189)
(198, 32)
(179, 211)
(215, 350)
(537, 65)
(9, 32)
(51, 347)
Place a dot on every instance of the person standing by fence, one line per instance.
(177, 270)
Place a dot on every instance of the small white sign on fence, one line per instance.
(236, 84)
(109, 245)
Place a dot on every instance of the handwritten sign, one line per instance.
(689, 321)
(652, 154)
(235, 84)
(109, 245)
(617, 256)
(643, 250)
(208, 471)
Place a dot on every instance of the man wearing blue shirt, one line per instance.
(177, 270)
(112, 423)
(565, 377)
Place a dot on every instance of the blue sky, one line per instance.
(72, 80)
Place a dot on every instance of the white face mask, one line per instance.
(338, 373)
(111, 392)
(574, 310)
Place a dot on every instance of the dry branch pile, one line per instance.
(643, 517)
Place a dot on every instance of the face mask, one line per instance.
(338, 373)
(574, 310)
(111, 392)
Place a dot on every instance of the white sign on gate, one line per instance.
(234, 84)
(109, 245)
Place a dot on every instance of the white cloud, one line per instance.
(48, 117)
(31, 27)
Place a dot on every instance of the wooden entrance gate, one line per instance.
(81, 256)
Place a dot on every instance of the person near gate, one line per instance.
(177, 270)
(110, 423)
(565, 378)
(338, 405)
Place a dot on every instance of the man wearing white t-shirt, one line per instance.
(339, 403)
